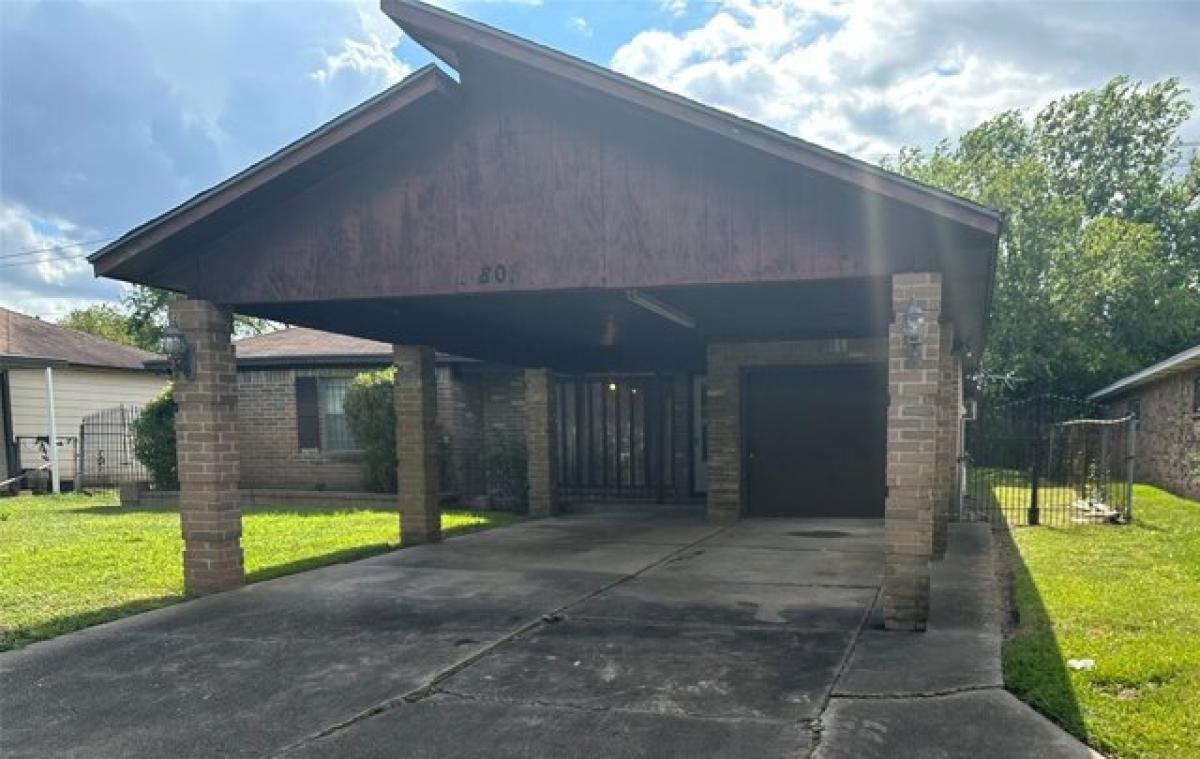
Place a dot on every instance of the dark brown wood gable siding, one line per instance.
(529, 185)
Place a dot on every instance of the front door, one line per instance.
(816, 440)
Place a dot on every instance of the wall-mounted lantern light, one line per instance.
(178, 352)
(914, 330)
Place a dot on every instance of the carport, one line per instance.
(546, 213)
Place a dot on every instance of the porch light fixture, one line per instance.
(914, 329)
(656, 306)
(179, 354)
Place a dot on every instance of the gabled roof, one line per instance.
(301, 346)
(37, 342)
(447, 35)
(1180, 362)
(421, 84)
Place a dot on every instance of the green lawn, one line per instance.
(1129, 598)
(71, 561)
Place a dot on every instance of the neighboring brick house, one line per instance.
(293, 433)
(613, 442)
(1165, 398)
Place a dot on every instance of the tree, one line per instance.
(102, 320)
(140, 319)
(1099, 259)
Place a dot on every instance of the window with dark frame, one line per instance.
(1196, 395)
(321, 421)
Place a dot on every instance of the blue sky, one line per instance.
(112, 111)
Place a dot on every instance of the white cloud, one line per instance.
(43, 271)
(581, 25)
(114, 111)
(869, 77)
(368, 60)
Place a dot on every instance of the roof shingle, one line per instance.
(23, 336)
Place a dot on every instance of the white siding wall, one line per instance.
(77, 393)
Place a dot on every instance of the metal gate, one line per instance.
(1047, 460)
(106, 457)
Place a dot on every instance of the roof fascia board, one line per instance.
(1180, 362)
(433, 27)
(429, 80)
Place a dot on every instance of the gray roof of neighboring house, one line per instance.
(1180, 362)
(301, 346)
(25, 340)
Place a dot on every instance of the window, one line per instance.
(1135, 408)
(1196, 395)
(335, 427)
(320, 417)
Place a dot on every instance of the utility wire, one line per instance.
(51, 260)
(52, 248)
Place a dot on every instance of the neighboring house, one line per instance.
(1165, 398)
(89, 374)
(637, 254)
(293, 432)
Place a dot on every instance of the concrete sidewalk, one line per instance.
(600, 635)
(939, 693)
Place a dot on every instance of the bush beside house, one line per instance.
(154, 441)
(371, 412)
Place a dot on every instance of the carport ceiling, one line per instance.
(598, 330)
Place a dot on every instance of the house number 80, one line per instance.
(497, 275)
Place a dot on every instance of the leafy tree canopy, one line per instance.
(141, 318)
(1099, 260)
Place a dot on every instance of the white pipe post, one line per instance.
(53, 430)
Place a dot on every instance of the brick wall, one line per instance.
(269, 443)
(1168, 437)
(726, 485)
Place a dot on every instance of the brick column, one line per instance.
(206, 446)
(912, 436)
(681, 441)
(724, 435)
(417, 445)
(541, 452)
(947, 423)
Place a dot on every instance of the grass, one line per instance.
(71, 561)
(1127, 597)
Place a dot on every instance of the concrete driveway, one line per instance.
(578, 636)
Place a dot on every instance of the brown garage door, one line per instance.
(817, 440)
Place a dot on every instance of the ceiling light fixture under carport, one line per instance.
(656, 306)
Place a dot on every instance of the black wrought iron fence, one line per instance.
(106, 456)
(1047, 460)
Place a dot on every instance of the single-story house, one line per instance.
(292, 429)
(86, 374)
(1165, 398)
(609, 238)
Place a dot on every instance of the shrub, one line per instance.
(154, 440)
(371, 412)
